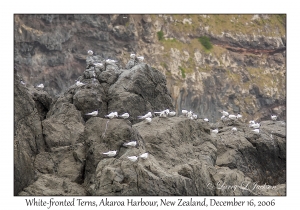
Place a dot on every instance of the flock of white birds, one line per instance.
(131, 158)
(165, 113)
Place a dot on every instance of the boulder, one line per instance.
(138, 91)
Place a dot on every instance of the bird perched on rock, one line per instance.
(224, 113)
(238, 116)
(256, 130)
(23, 83)
(144, 156)
(184, 112)
(232, 117)
(40, 86)
(223, 118)
(133, 158)
(98, 64)
(148, 119)
(94, 113)
(171, 114)
(124, 116)
(112, 115)
(194, 117)
(79, 84)
(131, 63)
(90, 52)
(110, 61)
(189, 114)
(145, 116)
(130, 144)
(255, 125)
(140, 59)
(110, 153)
(206, 120)
(163, 113)
(215, 131)
(251, 122)
(273, 117)
(234, 129)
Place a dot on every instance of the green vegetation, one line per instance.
(205, 41)
(269, 26)
(182, 71)
(160, 35)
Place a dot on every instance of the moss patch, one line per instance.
(182, 71)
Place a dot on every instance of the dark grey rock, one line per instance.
(138, 91)
(52, 185)
(28, 138)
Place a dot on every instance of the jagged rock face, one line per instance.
(258, 156)
(244, 71)
(176, 166)
(140, 90)
(64, 154)
(28, 138)
(51, 185)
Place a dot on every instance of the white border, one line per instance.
(8, 201)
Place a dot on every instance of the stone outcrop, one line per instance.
(28, 136)
(63, 153)
(244, 72)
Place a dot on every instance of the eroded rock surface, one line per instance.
(63, 153)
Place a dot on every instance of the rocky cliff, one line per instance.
(244, 71)
(59, 149)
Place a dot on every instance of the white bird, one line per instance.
(133, 158)
(79, 84)
(215, 131)
(206, 120)
(256, 125)
(98, 64)
(273, 117)
(238, 116)
(171, 114)
(163, 113)
(148, 119)
(125, 115)
(23, 83)
(132, 55)
(194, 117)
(234, 129)
(232, 116)
(110, 153)
(184, 112)
(40, 86)
(225, 113)
(131, 144)
(251, 122)
(145, 116)
(94, 113)
(112, 115)
(140, 58)
(144, 156)
(256, 130)
(90, 52)
(109, 61)
(189, 114)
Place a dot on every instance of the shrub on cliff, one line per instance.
(204, 40)
(160, 35)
